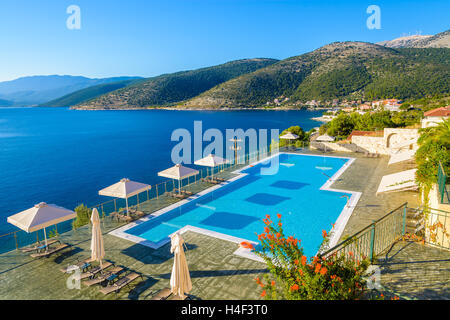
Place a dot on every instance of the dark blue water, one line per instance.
(65, 156)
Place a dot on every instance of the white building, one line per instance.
(433, 117)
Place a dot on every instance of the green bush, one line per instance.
(83, 216)
(344, 124)
(303, 137)
(293, 276)
(434, 147)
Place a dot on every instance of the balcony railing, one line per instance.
(375, 238)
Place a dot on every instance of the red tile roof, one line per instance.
(439, 112)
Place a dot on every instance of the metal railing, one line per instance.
(375, 238)
(148, 201)
(443, 193)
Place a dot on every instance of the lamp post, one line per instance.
(235, 148)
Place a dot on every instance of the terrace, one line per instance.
(215, 271)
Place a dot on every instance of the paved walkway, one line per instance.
(415, 271)
(216, 273)
(364, 175)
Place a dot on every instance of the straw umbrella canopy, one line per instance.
(97, 247)
(325, 138)
(180, 279)
(289, 136)
(124, 189)
(211, 161)
(40, 217)
(178, 172)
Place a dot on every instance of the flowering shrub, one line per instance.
(295, 276)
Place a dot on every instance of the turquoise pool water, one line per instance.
(237, 209)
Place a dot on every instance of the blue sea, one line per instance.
(64, 156)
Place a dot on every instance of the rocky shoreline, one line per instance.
(203, 109)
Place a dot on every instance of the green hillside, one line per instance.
(83, 95)
(172, 88)
(345, 70)
(5, 103)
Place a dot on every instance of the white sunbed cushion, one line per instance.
(398, 181)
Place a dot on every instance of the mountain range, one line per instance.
(440, 40)
(344, 70)
(407, 68)
(34, 90)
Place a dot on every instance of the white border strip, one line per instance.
(246, 253)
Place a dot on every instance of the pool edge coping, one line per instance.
(336, 231)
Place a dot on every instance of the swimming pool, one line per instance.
(299, 191)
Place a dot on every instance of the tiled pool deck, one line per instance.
(216, 273)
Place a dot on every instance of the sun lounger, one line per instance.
(49, 252)
(39, 246)
(103, 277)
(178, 195)
(177, 297)
(138, 213)
(121, 216)
(82, 265)
(94, 271)
(189, 193)
(122, 282)
(214, 180)
(162, 294)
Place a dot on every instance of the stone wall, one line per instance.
(331, 146)
(388, 144)
(440, 220)
(370, 144)
(393, 138)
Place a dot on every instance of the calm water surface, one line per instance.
(65, 156)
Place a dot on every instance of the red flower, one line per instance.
(296, 261)
(267, 217)
(273, 283)
(263, 294)
(266, 230)
(304, 259)
(318, 266)
(247, 245)
(324, 234)
(323, 271)
(279, 216)
(278, 234)
(294, 287)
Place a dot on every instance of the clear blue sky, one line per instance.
(150, 37)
